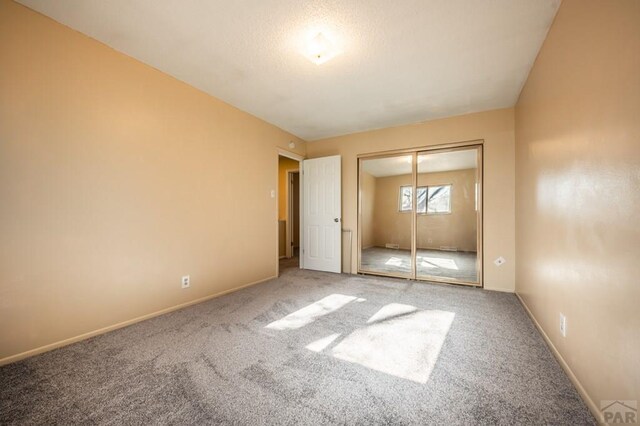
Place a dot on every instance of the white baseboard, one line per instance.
(65, 342)
(595, 410)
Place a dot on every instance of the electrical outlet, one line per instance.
(500, 261)
(186, 281)
(563, 325)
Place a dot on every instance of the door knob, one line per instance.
(336, 220)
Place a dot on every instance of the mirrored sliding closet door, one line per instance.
(420, 215)
(448, 218)
(385, 219)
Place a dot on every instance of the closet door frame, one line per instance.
(477, 144)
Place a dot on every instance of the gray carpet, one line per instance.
(307, 348)
(458, 265)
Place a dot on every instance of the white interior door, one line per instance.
(322, 222)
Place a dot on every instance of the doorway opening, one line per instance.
(309, 213)
(288, 211)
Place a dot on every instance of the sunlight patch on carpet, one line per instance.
(391, 310)
(310, 313)
(321, 344)
(400, 340)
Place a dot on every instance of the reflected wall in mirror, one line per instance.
(447, 215)
(385, 215)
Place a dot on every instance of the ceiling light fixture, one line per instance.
(320, 49)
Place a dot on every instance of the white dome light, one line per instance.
(320, 49)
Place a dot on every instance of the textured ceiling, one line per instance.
(402, 61)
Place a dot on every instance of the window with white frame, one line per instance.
(434, 199)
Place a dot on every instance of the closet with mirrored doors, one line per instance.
(420, 214)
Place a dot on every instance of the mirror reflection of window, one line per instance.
(431, 199)
(439, 199)
(405, 198)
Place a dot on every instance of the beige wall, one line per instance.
(495, 127)
(116, 180)
(578, 194)
(389, 225)
(368, 194)
(457, 229)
